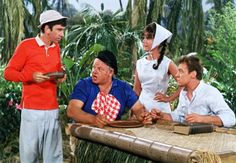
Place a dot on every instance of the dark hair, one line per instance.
(193, 63)
(151, 29)
(62, 22)
(109, 58)
(163, 46)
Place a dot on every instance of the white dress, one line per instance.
(153, 81)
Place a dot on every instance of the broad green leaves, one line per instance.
(77, 69)
(221, 51)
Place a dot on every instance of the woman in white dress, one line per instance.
(153, 70)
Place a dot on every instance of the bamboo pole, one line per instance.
(150, 149)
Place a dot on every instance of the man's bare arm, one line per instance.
(75, 112)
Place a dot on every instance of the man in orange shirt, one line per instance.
(40, 133)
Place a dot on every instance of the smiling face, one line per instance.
(101, 72)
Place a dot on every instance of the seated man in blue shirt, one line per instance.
(198, 101)
(101, 98)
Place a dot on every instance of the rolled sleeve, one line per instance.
(222, 110)
(178, 115)
(227, 118)
(175, 117)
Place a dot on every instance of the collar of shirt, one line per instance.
(114, 82)
(195, 91)
(41, 43)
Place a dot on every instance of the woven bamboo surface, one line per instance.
(213, 142)
(210, 145)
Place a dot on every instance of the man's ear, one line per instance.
(193, 74)
(112, 72)
(47, 29)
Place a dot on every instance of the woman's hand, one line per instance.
(161, 97)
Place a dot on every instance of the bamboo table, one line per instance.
(159, 143)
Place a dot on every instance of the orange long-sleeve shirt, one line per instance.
(31, 56)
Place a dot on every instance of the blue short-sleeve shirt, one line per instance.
(86, 91)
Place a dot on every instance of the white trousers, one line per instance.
(40, 136)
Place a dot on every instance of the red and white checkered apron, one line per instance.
(106, 105)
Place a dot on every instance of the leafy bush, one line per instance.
(77, 69)
(221, 51)
(1, 48)
(9, 115)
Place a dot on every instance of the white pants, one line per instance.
(40, 136)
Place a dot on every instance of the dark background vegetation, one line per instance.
(211, 33)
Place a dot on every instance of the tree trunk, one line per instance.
(138, 20)
(12, 20)
(121, 5)
(155, 11)
(186, 22)
(138, 13)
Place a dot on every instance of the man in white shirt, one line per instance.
(198, 101)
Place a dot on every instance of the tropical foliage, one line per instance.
(186, 20)
(107, 29)
(211, 34)
(20, 19)
(221, 51)
(85, 152)
(95, 28)
(76, 69)
(9, 116)
(12, 16)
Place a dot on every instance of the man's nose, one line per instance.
(177, 75)
(62, 34)
(94, 71)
